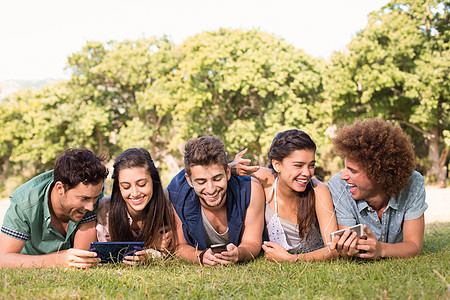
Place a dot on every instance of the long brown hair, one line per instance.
(282, 146)
(158, 212)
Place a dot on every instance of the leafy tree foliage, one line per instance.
(244, 86)
(397, 68)
(116, 76)
(37, 124)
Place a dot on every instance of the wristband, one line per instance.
(294, 259)
(200, 256)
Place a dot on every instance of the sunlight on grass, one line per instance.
(388, 278)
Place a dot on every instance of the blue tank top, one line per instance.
(188, 208)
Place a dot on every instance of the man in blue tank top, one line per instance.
(214, 207)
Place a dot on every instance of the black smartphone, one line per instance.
(114, 252)
(217, 248)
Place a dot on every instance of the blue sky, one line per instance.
(38, 36)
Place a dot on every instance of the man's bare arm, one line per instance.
(251, 240)
(185, 250)
(413, 231)
(10, 256)
(85, 235)
(239, 166)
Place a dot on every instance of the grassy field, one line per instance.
(422, 277)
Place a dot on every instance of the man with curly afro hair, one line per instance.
(380, 189)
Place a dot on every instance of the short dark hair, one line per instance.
(204, 151)
(381, 149)
(78, 165)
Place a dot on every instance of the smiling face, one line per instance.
(74, 203)
(295, 170)
(136, 187)
(210, 184)
(361, 187)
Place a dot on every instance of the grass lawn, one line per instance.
(422, 277)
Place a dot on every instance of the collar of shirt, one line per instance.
(362, 204)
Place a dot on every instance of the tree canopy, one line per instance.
(243, 86)
(397, 68)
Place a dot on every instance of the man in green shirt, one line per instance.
(51, 218)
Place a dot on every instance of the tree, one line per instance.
(125, 77)
(397, 68)
(244, 86)
(38, 124)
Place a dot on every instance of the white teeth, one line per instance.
(212, 196)
(302, 180)
(136, 200)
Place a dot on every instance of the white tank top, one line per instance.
(286, 234)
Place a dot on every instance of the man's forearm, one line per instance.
(404, 249)
(17, 260)
(190, 253)
(248, 251)
(85, 235)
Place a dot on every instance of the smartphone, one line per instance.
(217, 248)
(356, 228)
(114, 252)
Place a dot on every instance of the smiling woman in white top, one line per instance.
(299, 213)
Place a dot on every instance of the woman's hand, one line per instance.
(163, 239)
(137, 258)
(276, 252)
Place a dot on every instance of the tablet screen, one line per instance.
(114, 252)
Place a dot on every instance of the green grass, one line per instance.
(422, 277)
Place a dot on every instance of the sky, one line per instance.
(36, 37)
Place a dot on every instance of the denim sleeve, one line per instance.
(416, 198)
(344, 212)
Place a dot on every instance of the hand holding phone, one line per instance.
(218, 248)
(356, 228)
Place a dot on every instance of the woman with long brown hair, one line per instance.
(138, 208)
(299, 214)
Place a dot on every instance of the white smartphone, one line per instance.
(356, 228)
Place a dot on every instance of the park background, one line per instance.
(244, 83)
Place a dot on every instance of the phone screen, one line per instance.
(217, 248)
(114, 252)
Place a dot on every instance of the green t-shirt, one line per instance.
(28, 218)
